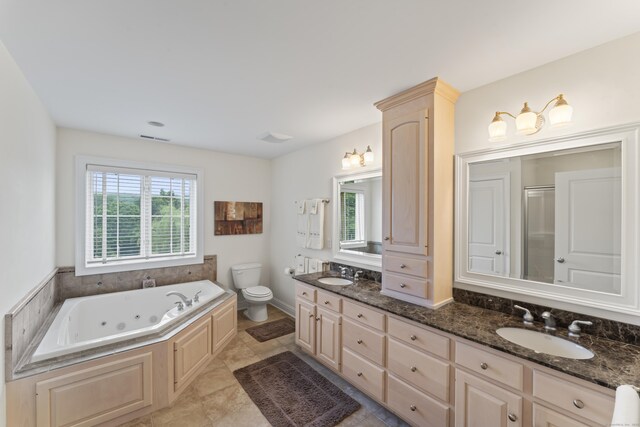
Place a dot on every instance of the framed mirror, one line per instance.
(357, 219)
(555, 221)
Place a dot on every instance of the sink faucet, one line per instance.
(184, 299)
(549, 321)
(574, 328)
(343, 271)
(358, 275)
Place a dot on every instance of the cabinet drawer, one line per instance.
(490, 365)
(414, 267)
(329, 301)
(415, 406)
(364, 315)
(569, 396)
(422, 371)
(543, 417)
(406, 285)
(419, 337)
(364, 375)
(364, 341)
(306, 292)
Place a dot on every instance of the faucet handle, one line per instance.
(358, 274)
(196, 297)
(180, 305)
(527, 318)
(574, 329)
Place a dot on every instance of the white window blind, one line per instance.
(136, 215)
(352, 216)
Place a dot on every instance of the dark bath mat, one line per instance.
(272, 330)
(290, 393)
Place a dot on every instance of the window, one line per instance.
(352, 219)
(136, 217)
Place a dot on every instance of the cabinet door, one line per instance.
(191, 351)
(306, 325)
(404, 191)
(328, 337)
(544, 417)
(225, 325)
(482, 404)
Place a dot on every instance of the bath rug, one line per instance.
(291, 393)
(271, 330)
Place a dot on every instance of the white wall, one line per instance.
(27, 174)
(227, 177)
(600, 83)
(308, 174)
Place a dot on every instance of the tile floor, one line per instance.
(216, 399)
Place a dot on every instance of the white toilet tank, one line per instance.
(246, 275)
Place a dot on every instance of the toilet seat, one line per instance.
(257, 293)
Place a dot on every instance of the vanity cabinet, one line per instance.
(417, 193)
(306, 325)
(328, 337)
(192, 350)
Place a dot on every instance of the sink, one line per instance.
(545, 343)
(334, 281)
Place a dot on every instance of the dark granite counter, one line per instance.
(615, 363)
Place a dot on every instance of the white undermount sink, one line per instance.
(545, 343)
(334, 281)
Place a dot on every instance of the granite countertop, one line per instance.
(615, 363)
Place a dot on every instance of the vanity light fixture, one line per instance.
(528, 121)
(356, 159)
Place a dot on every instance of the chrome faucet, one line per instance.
(549, 321)
(184, 299)
(574, 329)
(358, 275)
(527, 318)
(343, 271)
(196, 298)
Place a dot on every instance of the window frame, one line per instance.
(361, 213)
(81, 267)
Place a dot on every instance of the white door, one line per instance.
(488, 226)
(588, 229)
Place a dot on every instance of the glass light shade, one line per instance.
(560, 114)
(497, 130)
(526, 122)
(346, 162)
(368, 155)
(355, 158)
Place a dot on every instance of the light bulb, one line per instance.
(355, 158)
(497, 128)
(561, 113)
(526, 121)
(368, 155)
(346, 163)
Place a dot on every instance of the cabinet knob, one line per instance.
(359, 315)
(359, 341)
(413, 369)
(512, 417)
(413, 337)
(317, 319)
(311, 315)
(402, 285)
(560, 260)
(413, 408)
(578, 403)
(403, 266)
(304, 293)
(359, 374)
(326, 302)
(484, 366)
(498, 252)
(387, 238)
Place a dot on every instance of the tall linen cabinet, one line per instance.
(418, 139)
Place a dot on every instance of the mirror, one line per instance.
(551, 220)
(358, 218)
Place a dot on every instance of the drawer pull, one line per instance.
(359, 374)
(413, 337)
(484, 366)
(317, 319)
(311, 315)
(413, 369)
(387, 238)
(326, 302)
(403, 266)
(413, 408)
(578, 403)
(402, 285)
(512, 417)
(359, 341)
(304, 293)
(359, 315)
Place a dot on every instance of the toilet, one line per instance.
(246, 278)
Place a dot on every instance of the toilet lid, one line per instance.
(258, 291)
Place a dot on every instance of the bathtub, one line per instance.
(94, 321)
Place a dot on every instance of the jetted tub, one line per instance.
(94, 321)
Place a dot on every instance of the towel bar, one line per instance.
(323, 201)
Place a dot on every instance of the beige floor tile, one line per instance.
(355, 419)
(186, 411)
(287, 339)
(213, 380)
(225, 401)
(139, 422)
(263, 347)
(247, 415)
(238, 355)
(370, 421)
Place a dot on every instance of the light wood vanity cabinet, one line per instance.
(192, 350)
(417, 174)
(434, 379)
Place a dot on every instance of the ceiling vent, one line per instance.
(274, 138)
(155, 138)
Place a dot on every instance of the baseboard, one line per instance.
(289, 309)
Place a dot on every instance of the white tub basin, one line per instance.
(335, 281)
(545, 343)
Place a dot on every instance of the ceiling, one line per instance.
(219, 73)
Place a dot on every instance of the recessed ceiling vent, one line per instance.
(155, 138)
(274, 137)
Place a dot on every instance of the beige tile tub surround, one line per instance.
(28, 317)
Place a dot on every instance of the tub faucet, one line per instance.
(184, 299)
